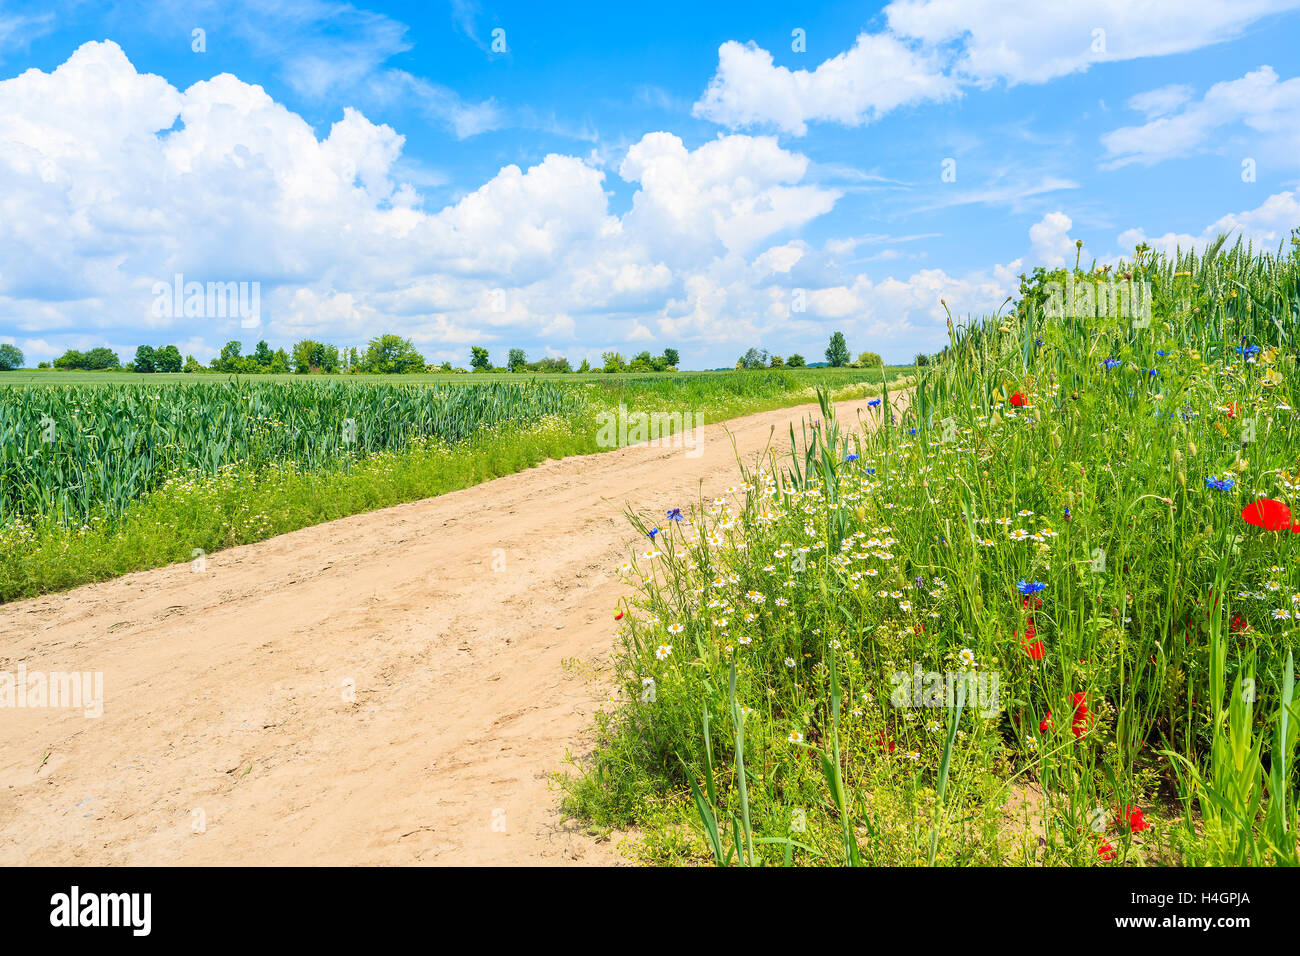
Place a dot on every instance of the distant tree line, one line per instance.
(384, 355)
(393, 355)
(612, 362)
(837, 356)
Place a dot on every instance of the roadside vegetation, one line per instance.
(1044, 613)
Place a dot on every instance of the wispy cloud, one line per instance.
(17, 30)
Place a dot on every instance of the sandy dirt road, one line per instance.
(225, 691)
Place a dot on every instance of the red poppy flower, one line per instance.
(1018, 399)
(1106, 852)
(1080, 723)
(1047, 722)
(886, 745)
(1238, 624)
(1269, 514)
(618, 616)
(1030, 642)
(1136, 821)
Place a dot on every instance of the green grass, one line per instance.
(141, 476)
(830, 377)
(1160, 670)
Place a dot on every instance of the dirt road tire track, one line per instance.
(225, 690)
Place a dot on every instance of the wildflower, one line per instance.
(651, 533)
(674, 514)
(663, 651)
(873, 403)
(1106, 852)
(1030, 587)
(1133, 817)
(851, 458)
(1219, 484)
(1018, 400)
(795, 737)
(789, 662)
(1269, 514)
(1031, 644)
(967, 657)
(1031, 742)
(1110, 363)
(1045, 724)
(676, 628)
(1080, 724)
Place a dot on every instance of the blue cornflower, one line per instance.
(1110, 363)
(1248, 350)
(853, 457)
(874, 402)
(1161, 352)
(1030, 587)
(871, 471)
(1219, 484)
(911, 431)
(675, 514)
(651, 533)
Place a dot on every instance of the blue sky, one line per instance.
(615, 178)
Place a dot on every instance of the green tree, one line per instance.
(279, 362)
(167, 359)
(192, 365)
(837, 353)
(921, 359)
(99, 359)
(70, 359)
(869, 360)
(614, 362)
(585, 366)
(312, 356)
(479, 360)
(671, 358)
(551, 365)
(262, 354)
(392, 355)
(754, 358)
(777, 361)
(796, 361)
(229, 359)
(11, 357)
(518, 360)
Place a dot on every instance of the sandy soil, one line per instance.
(367, 691)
